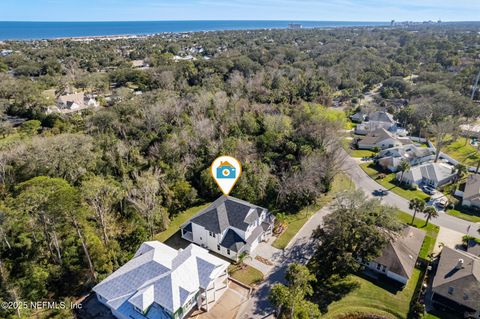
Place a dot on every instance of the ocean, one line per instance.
(52, 30)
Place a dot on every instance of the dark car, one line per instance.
(380, 192)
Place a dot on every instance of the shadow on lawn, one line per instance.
(331, 290)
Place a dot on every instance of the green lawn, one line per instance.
(464, 214)
(374, 296)
(248, 275)
(389, 183)
(430, 229)
(465, 153)
(356, 153)
(379, 296)
(296, 221)
(176, 222)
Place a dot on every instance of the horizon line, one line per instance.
(231, 20)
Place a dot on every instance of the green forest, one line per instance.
(79, 192)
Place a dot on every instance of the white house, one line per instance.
(471, 194)
(229, 226)
(382, 139)
(399, 257)
(390, 158)
(378, 120)
(75, 102)
(164, 283)
(429, 174)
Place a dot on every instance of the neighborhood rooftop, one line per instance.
(401, 253)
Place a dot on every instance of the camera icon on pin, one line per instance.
(226, 171)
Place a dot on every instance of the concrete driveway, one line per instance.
(228, 306)
(264, 257)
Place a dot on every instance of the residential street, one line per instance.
(301, 248)
(368, 185)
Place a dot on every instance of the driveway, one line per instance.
(227, 306)
(299, 250)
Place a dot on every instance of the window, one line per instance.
(450, 290)
(384, 268)
(379, 266)
(218, 247)
(228, 251)
(211, 234)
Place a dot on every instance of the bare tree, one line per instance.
(443, 131)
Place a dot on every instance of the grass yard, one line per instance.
(389, 183)
(354, 152)
(465, 153)
(465, 214)
(296, 221)
(248, 275)
(177, 221)
(374, 296)
(430, 229)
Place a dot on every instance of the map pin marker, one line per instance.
(226, 171)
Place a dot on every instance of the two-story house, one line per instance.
(391, 158)
(160, 282)
(229, 226)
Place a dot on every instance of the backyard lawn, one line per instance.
(354, 152)
(296, 221)
(375, 296)
(177, 221)
(389, 183)
(465, 153)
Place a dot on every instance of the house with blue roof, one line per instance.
(164, 283)
(230, 227)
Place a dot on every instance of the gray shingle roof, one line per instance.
(232, 241)
(400, 255)
(472, 187)
(460, 284)
(162, 275)
(381, 116)
(227, 211)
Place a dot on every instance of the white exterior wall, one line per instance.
(199, 235)
(397, 277)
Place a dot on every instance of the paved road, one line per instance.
(301, 246)
(299, 250)
(368, 185)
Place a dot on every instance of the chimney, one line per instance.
(459, 264)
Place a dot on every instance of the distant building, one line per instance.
(295, 26)
(160, 282)
(75, 102)
(377, 120)
(230, 227)
(399, 257)
(140, 64)
(456, 284)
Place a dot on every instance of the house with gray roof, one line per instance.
(471, 194)
(391, 158)
(399, 257)
(382, 139)
(229, 226)
(456, 284)
(160, 282)
(429, 174)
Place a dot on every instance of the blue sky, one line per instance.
(345, 10)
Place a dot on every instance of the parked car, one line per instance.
(429, 190)
(380, 192)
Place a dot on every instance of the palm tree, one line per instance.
(430, 212)
(461, 170)
(403, 167)
(418, 206)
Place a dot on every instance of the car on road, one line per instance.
(380, 192)
(429, 190)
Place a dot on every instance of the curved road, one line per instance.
(368, 185)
